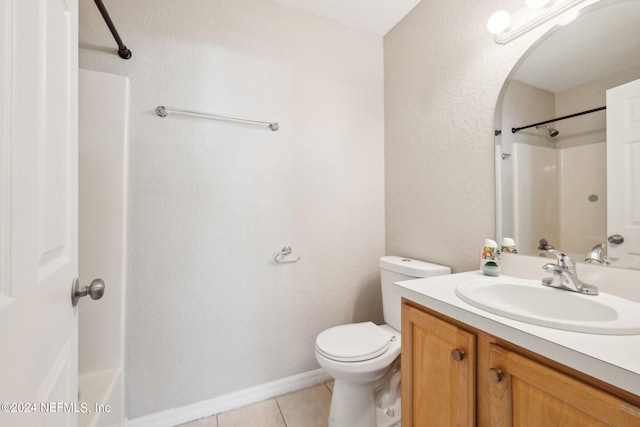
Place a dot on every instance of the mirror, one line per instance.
(551, 180)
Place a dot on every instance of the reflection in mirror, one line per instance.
(551, 179)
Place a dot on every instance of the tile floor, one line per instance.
(308, 407)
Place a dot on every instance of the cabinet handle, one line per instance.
(495, 375)
(458, 355)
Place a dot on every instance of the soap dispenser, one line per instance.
(508, 245)
(490, 258)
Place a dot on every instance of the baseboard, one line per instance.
(172, 417)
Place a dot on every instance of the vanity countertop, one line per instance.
(614, 359)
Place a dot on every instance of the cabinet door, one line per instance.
(526, 393)
(438, 372)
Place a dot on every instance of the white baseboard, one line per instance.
(175, 416)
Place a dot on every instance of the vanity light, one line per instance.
(568, 17)
(536, 4)
(507, 27)
(499, 22)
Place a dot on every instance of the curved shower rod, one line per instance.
(514, 130)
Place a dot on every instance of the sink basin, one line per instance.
(531, 302)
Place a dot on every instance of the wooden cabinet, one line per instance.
(524, 392)
(495, 384)
(438, 372)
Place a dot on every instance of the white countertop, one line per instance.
(614, 359)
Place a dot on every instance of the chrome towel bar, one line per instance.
(162, 111)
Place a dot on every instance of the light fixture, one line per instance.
(506, 27)
(536, 4)
(499, 22)
(568, 17)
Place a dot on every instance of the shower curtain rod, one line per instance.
(514, 130)
(162, 111)
(122, 49)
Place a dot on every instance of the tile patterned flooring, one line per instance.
(308, 407)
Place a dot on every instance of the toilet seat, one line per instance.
(354, 342)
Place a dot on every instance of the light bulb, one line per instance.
(498, 22)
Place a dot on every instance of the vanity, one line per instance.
(465, 366)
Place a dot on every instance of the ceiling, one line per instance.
(374, 16)
(598, 43)
(602, 41)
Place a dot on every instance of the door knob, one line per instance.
(616, 239)
(95, 290)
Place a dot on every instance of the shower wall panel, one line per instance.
(208, 311)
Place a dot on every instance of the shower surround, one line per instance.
(208, 311)
(561, 181)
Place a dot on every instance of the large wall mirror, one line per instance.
(554, 188)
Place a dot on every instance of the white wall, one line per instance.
(583, 153)
(208, 312)
(536, 201)
(583, 223)
(443, 75)
(590, 128)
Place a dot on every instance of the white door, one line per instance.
(623, 174)
(38, 212)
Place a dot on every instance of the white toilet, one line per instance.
(364, 357)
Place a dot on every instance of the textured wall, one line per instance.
(208, 311)
(443, 75)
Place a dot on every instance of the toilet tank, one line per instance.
(395, 269)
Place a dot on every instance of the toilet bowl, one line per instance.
(364, 358)
(353, 402)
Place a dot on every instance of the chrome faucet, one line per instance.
(544, 245)
(565, 275)
(595, 254)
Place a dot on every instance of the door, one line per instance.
(438, 372)
(623, 174)
(526, 393)
(38, 212)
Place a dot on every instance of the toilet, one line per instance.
(364, 358)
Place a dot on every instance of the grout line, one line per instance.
(284, 420)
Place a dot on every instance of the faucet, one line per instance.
(595, 254)
(544, 245)
(565, 275)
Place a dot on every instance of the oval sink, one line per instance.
(531, 302)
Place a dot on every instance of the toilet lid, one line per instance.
(354, 342)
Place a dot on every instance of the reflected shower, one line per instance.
(552, 132)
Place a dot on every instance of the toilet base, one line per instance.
(355, 406)
(352, 406)
(389, 417)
